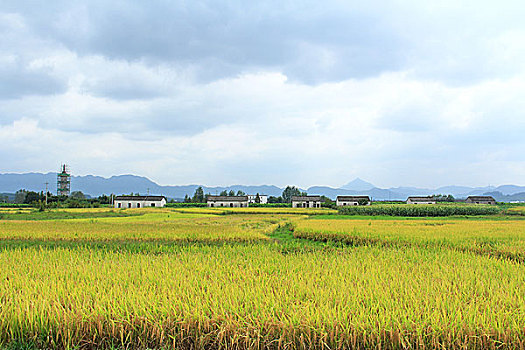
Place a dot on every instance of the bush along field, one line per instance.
(199, 280)
(420, 210)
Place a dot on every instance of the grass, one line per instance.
(170, 278)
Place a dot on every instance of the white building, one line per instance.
(352, 200)
(421, 200)
(306, 201)
(263, 198)
(139, 201)
(228, 201)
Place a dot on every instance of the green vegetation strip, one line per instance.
(420, 210)
(65, 215)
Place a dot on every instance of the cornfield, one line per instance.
(425, 210)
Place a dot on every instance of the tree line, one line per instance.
(200, 197)
(285, 197)
(77, 199)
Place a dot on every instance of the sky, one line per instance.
(399, 93)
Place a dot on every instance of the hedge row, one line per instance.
(253, 205)
(13, 205)
(186, 205)
(270, 205)
(420, 210)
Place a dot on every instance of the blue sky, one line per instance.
(410, 93)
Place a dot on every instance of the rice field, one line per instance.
(517, 210)
(199, 280)
(493, 237)
(152, 226)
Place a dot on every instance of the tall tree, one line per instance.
(272, 199)
(198, 196)
(231, 193)
(104, 199)
(20, 196)
(241, 193)
(78, 195)
(257, 198)
(290, 191)
(32, 197)
(223, 193)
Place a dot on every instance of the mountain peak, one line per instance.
(358, 185)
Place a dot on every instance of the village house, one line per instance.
(481, 200)
(139, 201)
(306, 201)
(352, 200)
(228, 201)
(421, 200)
(262, 197)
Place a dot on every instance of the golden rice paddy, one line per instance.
(413, 284)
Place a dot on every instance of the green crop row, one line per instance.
(13, 205)
(186, 205)
(420, 210)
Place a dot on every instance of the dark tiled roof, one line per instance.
(421, 199)
(227, 198)
(305, 198)
(481, 198)
(139, 198)
(352, 198)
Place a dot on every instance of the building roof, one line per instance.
(421, 199)
(140, 198)
(228, 198)
(305, 198)
(352, 198)
(481, 198)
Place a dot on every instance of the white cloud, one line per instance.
(399, 94)
(288, 132)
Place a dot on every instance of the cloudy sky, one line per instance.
(415, 93)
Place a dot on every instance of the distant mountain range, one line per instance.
(125, 184)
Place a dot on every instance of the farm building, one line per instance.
(306, 201)
(262, 197)
(139, 201)
(421, 200)
(352, 200)
(228, 201)
(481, 200)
